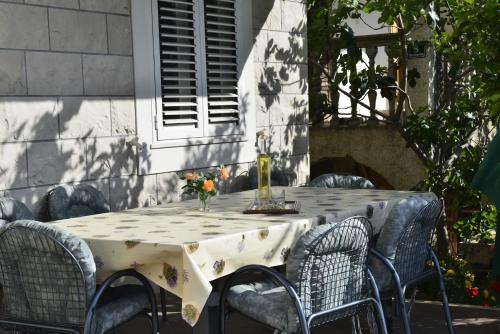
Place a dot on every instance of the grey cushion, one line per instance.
(401, 214)
(341, 181)
(69, 201)
(76, 246)
(320, 288)
(278, 178)
(119, 305)
(12, 210)
(262, 301)
(55, 297)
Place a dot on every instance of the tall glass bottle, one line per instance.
(264, 171)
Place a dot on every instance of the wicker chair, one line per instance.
(48, 284)
(11, 210)
(70, 201)
(403, 256)
(326, 281)
(333, 180)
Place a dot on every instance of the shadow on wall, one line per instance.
(63, 143)
(282, 85)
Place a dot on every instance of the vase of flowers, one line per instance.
(203, 184)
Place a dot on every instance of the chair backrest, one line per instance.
(333, 180)
(278, 177)
(11, 210)
(328, 265)
(414, 245)
(70, 201)
(47, 275)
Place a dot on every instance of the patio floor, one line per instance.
(427, 319)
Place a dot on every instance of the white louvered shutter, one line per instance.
(180, 114)
(221, 66)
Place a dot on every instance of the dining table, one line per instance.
(184, 250)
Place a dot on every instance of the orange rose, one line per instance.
(208, 186)
(224, 174)
(191, 176)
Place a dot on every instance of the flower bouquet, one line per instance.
(203, 184)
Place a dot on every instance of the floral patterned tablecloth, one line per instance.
(182, 249)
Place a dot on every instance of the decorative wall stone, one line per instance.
(123, 116)
(23, 27)
(293, 18)
(108, 75)
(109, 6)
(119, 34)
(76, 31)
(12, 73)
(28, 118)
(133, 191)
(13, 166)
(110, 157)
(54, 3)
(54, 73)
(56, 162)
(83, 117)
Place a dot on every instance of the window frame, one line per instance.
(153, 152)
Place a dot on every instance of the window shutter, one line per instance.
(180, 91)
(221, 64)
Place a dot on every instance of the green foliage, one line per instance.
(450, 136)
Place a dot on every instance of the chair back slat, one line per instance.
(328, 266)
(41, 280)
(414, 244)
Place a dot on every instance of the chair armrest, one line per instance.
(277, 278)
(107, 283)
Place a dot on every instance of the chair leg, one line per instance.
(163, 302)
(442, 287)
(380, 316)
(403, 310)
(222, 315)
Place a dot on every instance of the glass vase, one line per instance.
(204, 201)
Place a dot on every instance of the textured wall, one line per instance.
(381, 148)
(280, 53)
(67, 110)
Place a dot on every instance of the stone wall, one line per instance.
(280, 53)
(379, 147)
(67, 110)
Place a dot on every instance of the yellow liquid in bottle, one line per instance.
(264, 176)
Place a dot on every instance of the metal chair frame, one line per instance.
(306, 322)
(91, 308)
(400, 287)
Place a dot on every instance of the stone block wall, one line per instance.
(67, 109)
(280, 53)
